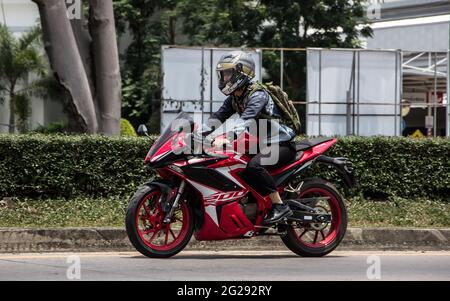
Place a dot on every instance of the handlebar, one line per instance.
(196, 142)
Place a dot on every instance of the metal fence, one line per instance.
(355, 103)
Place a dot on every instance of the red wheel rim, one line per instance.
(321, 238)
(151, 229)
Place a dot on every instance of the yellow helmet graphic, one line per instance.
(234, 70)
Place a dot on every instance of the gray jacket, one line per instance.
(249, 109)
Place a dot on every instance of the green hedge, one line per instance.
(397, 166)
(56, 165)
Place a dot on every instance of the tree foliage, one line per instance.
(21, 68)
(233, 23)
(149, 26)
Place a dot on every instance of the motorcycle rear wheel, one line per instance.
(305, 244)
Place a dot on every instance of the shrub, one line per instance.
(57, 165)
(396, 166)
(126, 129)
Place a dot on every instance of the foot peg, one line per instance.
(282, 217)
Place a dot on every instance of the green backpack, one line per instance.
(281, 99)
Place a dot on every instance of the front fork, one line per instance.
(169, 207)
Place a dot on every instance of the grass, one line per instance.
(78, 212)
(399, 212)
(86, 212)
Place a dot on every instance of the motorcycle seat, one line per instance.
(308, 143)
(300, 148)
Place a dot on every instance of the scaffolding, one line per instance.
(411, 72)
(426, 73)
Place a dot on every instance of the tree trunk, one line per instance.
(84, 43)
(65, 59)
(84, 40)
(172, 25)
(12, 112)
(107, 69)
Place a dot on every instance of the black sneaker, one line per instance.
(278, 212)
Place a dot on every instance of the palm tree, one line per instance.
(19, 59)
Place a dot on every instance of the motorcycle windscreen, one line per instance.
(182, 122)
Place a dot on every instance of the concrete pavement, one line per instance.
(115, 239)
(228, 266)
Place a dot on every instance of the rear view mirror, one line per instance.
(142, 130)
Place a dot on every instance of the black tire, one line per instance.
(291, 238)
(132, 230)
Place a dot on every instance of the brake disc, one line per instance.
(319, 226)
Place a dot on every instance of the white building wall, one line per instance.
(4, 116)
(19, 16)
(419, 34)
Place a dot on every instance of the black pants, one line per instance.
(256, 172)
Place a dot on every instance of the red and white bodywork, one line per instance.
(218, 182)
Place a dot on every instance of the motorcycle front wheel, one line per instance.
(145, 227)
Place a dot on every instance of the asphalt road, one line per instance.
(230, 266)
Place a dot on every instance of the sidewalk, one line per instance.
(14, 240)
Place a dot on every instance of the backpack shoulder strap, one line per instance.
(256, 86)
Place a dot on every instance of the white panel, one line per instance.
(377, 77)
(330, 125)
(333, 125)
(378, 91)
(182, 80)
(336, 75)
(312, 125)
(378, 109)
(379, 83)
(182, 73)
(327, 108)
(376, 125)
(312, 63)
(313, 108)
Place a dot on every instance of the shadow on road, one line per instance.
(234, 256)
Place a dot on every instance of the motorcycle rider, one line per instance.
(235, 72)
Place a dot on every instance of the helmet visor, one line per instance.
(225, 75)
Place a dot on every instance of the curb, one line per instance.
(14, 240)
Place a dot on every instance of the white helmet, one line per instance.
(242, 68)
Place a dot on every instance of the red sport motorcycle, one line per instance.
(205, 194)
